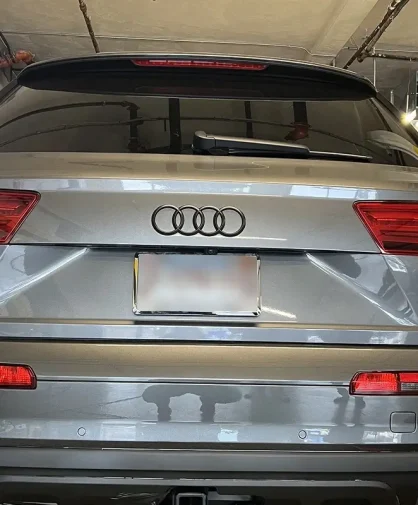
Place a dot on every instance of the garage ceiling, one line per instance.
(315, 30)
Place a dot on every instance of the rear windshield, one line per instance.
(33, 120)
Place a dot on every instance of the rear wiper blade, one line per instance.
(329, 155)
(242, 146)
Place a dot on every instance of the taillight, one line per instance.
(384, 383)
(393, 225)
(221, 65)
(15, 206)
(17, 377)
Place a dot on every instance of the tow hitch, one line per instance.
(212, 498)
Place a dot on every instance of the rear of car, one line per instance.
(234, 323)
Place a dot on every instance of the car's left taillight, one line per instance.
(15, 206)
(17, 377)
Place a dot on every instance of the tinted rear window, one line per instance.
(63, 121)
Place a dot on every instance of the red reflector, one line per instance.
(374, 383)
(17, 377)
(393, 225)
(384, 383)
(14, 209)
(222, 65)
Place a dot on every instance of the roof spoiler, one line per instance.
(241, 77)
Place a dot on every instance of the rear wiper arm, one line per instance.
(209, 143)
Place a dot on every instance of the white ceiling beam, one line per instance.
(339, 26)
(366, 27)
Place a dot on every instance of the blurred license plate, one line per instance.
(222, 284)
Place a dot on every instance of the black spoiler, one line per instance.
(198, 75)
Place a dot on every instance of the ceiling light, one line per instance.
(409, 116)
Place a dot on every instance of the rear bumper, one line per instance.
(55, 473)
(166, 462)
(83, 488)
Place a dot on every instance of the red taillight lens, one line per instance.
(409, 382)
(393, 225)
(374, 383)
(17, 377)
(384, 383)
(221, 65)
(14, 209)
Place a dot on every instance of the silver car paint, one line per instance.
(112, 413)
(209, 363)
(295, 205)
(201, 394)
(73, 284)
(326, 304)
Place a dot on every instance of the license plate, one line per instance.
(195, 284)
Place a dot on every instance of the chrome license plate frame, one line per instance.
(239, 272)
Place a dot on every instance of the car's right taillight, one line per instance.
(384, 383)
(15, 207)
(393, 225)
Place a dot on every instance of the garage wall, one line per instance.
(294, 29)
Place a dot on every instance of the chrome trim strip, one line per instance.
(261, 333)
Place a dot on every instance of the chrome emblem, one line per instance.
(208, 221)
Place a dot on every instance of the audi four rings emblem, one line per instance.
(208, 221)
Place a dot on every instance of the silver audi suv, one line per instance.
(208, 285)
